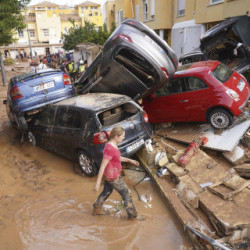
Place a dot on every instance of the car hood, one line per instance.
(240, 26)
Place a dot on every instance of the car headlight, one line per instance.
(233, 94)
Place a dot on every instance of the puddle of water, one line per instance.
(44, 204)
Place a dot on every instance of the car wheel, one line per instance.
(220, 118)
(32, 138)
(21, 123)
(86, 164)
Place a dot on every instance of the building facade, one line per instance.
(180, 22)
(46, 22)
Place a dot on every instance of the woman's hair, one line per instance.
(116, 131)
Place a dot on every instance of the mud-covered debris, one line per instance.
(243, 170)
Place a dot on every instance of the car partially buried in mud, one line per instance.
(134, 61)
(78, 128)
(227, 42)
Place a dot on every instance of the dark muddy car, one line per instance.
(78, 128)
(134, 61)
(227, 42)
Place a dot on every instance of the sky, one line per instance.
(68, 2)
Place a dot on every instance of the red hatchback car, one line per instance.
(203, 91)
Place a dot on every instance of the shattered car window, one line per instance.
(47, 117)
(117, 114)
(69, 118)
(222, 73)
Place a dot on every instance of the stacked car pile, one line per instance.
(133, 64)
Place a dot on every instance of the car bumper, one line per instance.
(245, 103)
(38, 102)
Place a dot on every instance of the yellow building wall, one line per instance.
(190, 12)
(109, 13)
(45, 22)
(205, 12)
(163, 14)
(126, 6)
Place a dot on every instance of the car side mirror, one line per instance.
(4, 102)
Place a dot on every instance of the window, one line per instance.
(40, 8)
(32, 14)
(181, 8)
(46, 117)
(216, 1)
(69, 118)
(194, 83)
(45, 32)
(32, 33)
(121, 16)
(174, 86)
(152, 9)
(84, 8)
(96, 13)
(222, 73)
(20, 33)
(94, 8)
(51, 8)
(145, 9)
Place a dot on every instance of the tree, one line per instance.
(85, 34)
(11, 19)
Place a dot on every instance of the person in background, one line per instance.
(41, 65)
(81, 68)
(63, 67)
(72, 70)
(86, 64)
(111, 168)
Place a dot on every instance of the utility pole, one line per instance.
(3, 70)
(31, 57)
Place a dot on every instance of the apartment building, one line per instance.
(46, 22)
(180, 22)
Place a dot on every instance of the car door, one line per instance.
(170, 103)
(44, 127)
(66, 132)
(199, 97)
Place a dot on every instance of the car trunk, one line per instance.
(132, 119)
(41, 83)
(229, 42)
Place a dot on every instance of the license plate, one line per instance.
(42, 86)
(135, 146)
(241, 85)
(153, 43)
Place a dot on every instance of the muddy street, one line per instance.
(45, 204)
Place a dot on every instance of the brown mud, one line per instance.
(44, 204)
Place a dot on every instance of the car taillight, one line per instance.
(15, 93)
(66, 79)
(164, 70)
(101, 137)
(124, 37)
(146, 118)
(233, 94)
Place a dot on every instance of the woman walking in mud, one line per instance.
(111, 168)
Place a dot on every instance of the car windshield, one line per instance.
(222, 73)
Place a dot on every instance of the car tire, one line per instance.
(86, 164)
(31, 138)
(220, 118)
(21, 123)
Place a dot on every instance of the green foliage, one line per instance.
(11, 19)
(85, 34)
(8, 61)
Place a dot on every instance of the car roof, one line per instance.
(95, 101)
(197, 67)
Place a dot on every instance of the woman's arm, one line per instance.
(100, 174)
(124, 159)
